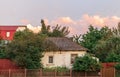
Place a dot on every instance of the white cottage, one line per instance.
(61, 51)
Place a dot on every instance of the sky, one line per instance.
(76, 14)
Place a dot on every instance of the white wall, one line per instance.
(62, 58)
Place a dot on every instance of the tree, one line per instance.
(57, 31)
(76, 38)
(86, 63)
(91, 38)
(106, 47)
(45, 29)
(112, 57)
(26, 49)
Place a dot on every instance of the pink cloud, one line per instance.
(35, 29)
(80, 26)
(25, 21)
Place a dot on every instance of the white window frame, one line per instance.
(7, 34)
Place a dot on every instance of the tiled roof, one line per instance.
(63, 44)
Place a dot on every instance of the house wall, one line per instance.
(62, 58)
(11, 30)
(3, 34)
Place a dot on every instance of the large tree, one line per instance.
(91, 38)
(26, 49)
(57, 31)
(106, 47)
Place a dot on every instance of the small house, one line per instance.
(61, 51)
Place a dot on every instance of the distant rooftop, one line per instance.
(10, 27)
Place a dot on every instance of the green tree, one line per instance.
(45, 29)
(86, 63)
(91, 38)
(106, 47)
(26, 49)
(112, 57)
(57, 31)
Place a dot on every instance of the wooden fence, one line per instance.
(42, 73)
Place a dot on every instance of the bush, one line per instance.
(86, 63)
(58, 69)
(117, 66)
(113, 57)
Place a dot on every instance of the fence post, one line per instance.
(114, 72)
(85, 74)
(40, 72)
(55, 73)
(9, 72)
(25, 72)
(70, 72)
(101, 72)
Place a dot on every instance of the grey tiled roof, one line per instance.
(63, 44)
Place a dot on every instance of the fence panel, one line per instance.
(42, 73)
(4, 73)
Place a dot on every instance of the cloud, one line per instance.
(80, 26)
(25, 21)
(35, 29)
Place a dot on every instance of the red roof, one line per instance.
(11, 27)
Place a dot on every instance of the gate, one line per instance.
(108, 70)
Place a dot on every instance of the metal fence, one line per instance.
(42, 73)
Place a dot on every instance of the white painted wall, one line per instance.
(61, 58)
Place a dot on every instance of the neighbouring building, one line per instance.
(61, 51)
(7, 31)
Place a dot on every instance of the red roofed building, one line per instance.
(7, 32)
(7, 64)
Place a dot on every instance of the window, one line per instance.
(73, 56)
(7, 34)
(50, 59)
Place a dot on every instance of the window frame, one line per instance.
(73, 56)
(50, 59)
(7, 34)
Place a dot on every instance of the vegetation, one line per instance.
(86, 63)
(57, 31)
(112, 57)
(91, 38)
(57, 69)
(26, 49)
(117, 66)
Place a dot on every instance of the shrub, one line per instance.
(58, 69)
(117, 66)
(86, 63)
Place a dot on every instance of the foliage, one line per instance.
(116, 31)
(57, 31)
(2, 52)
(45, 29)
(26, 49)
(112, 57)
(106, 47)
(91, 38)
(57, 69)
(86, 63)
(2, 49)
(117, 66)
(76, 38)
